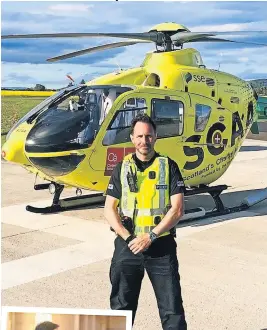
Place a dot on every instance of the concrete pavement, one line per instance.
(63, 260)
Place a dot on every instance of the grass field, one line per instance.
(13, 108)
(26, 93)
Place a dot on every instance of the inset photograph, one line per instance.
(15, 318)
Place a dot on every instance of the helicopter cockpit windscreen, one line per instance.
(41, 107)
(73, 120)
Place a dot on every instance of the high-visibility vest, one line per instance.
(151, 202)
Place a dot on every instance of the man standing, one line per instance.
(148, 189)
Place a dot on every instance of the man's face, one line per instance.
(144, 138)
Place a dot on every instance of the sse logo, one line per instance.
(201, 79)
(198, 78)
(188, 77)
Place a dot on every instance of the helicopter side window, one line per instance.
(119, 128)
(134, 103)
(262, 109)
(152, 80)
(168, 116)
(202, 117)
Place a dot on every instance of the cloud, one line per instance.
(251, 26)
(71, 9)
(13, 76)
(24, 61)
(239, 63)
(50, 75)
(40, 51)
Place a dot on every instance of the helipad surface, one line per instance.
(63, 260)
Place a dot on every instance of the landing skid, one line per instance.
(71, 203)
(59, 205)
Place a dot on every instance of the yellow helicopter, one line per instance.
(76, 137)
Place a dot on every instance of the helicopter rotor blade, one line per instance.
(148, 36)
(95, 49)
(212, 39)
(184, 37)
(163, 39)
(237, 33)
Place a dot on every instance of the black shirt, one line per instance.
(166, 244)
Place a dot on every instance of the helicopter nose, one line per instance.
(13, 151)
(9, 153)
(3, 154)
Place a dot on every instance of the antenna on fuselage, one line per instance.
(117, 63)
(220, 59)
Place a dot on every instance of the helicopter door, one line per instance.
(169, 113)
(114, 142)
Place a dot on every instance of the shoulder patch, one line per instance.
(180, 183)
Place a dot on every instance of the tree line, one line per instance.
(260, 86)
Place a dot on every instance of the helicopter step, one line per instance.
(215, 192)
(59, 205)
(41, 186)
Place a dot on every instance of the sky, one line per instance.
(23, 61)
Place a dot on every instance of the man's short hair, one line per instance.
(47, 325)
(143, 118)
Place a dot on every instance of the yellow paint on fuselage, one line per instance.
(15, 145)
(181, 78)
(168, 26)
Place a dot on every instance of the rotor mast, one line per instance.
(164, 32)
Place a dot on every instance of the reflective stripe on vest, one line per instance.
(162, 174)
(149, 205)
(145, 229)
(152, 211)
(127, 202)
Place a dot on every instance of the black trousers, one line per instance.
(126, 274)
